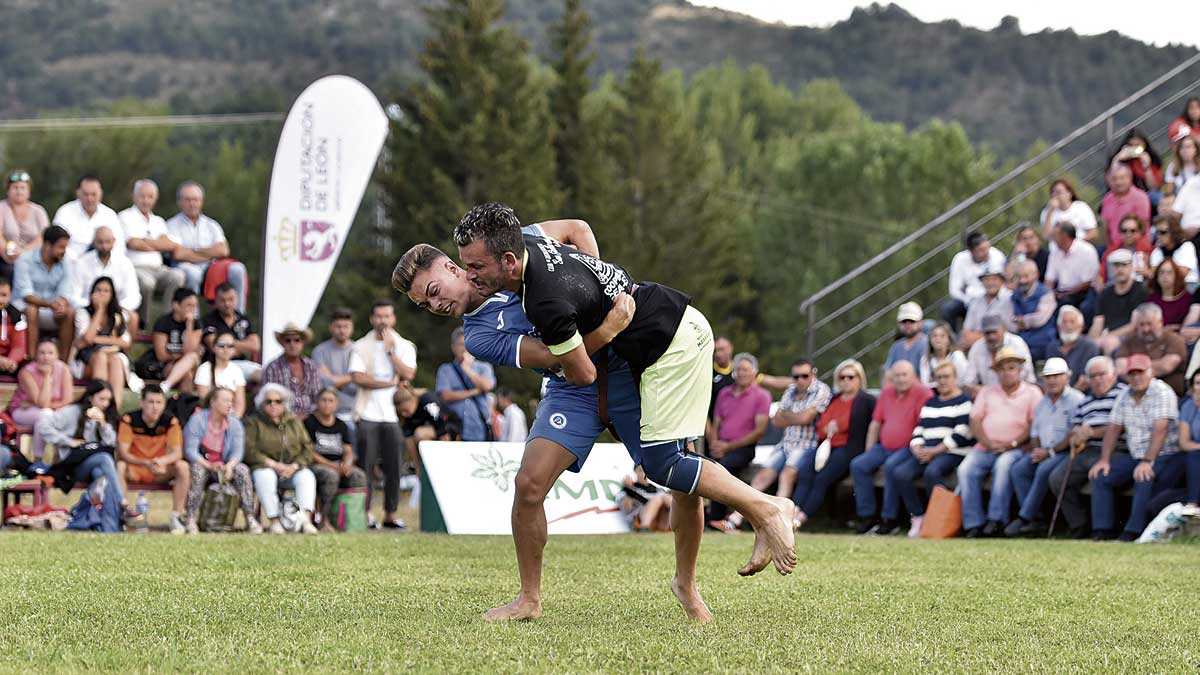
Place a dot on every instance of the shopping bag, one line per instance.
(350, 510)
(218, 510)
(943, 517)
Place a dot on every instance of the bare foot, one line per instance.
(693, 605)
(779, 535)
(517, 610)
(760, 557)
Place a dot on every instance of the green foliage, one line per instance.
(571, 39)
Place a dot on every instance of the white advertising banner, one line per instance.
(327, 152)
(473, 487)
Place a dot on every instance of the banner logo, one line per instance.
(318, 240)
(494, 467)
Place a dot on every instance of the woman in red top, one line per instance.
(1137, 153)
(1168, 291)
(845, 424)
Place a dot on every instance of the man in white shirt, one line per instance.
(513, 426)
(201, 240)
(146, 241)
(965, 271)
(103, 261)
(1073, 266)
(1187, 205)
(81, 217)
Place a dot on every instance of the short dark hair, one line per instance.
(55, 234)
(1066, 227)
(416, 259)
(85, 178)
(152, 389)
(342, 314)
(225, 288)
(803, 362)
(382, 303)
(504, 392)
(496, 225)
(182, 294)
(4, 281)
(975, 238)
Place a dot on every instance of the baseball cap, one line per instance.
(1121, 256)
(1138, 362)
(1181, 133)
(1055, 366)
(991, 270)
(991, 322)
(910, 311)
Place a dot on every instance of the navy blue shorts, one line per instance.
(570, 416)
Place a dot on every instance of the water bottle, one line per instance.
(96, 492)
(143, 513)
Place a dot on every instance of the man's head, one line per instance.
(406, 401)
(1056, 374)
(1028, 238)
(908, 319)
(1009, 373)
(993, 332)
(803, 374)
(902, 376)
(1027, 276)
(293, 338)
(1121, 261)
(327, 401)
(341, 325)
(153, 403)
(226, 301)
(1139, 373)
(89, 192)
(979, 246)
(103, 242)
(383, 316)
(458, 344)
(1148, 321)
(1130, 228)
(1101, 374)
(1120, 179)
(504, 397)
(1070, 324)
(431, 280)
(992, 279)
(723, 351)
(1064, 235)
(145, 195)
(491, 247)
(183, 304)
(190, 197)
(54, 243)
(745, 369)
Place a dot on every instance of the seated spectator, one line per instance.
(225, 319)
(279, 451)
(1073, 346)
(1189, 446)
(1049, 443)
(104, 331)
(214, 443)
(463, 384)
(983, 353)
(939, 441)
(1033, 311)
(910, 343)
(513, 426)
(1114, 309)
(13, 336)
(176, 351)
(43, 386)
(294, 371)
(1001, 421)
(1185, 162)
(942, 349)
(739, 421)
(844, 423)
(1087, 431)
(965, 269)
(82, 217)
(996, 300)
(1139, 156)
(645, 505)
(150, 452)
(1065, 206)
(201, 240)
(1123, 199)
(333, 457)
(84, 436)
(21, 221)
(1185, 207)
(896, 414)
(1168, 291)
(334, 358)
(1148, 414)
(219, 370)
(1188, 122)
(102, 261)
(146, 241)
(42, 289)
(1166, 202)
(1166, 349)
(1134, 242)
(1028, 246)
(1172, 245)
(1073, 268)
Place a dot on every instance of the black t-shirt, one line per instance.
(174, 331)
(1118, 309)
(328, 441)
(215, 325)
(567, 294)
(720, 381)
(432, 412)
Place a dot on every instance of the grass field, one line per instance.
(388, 603)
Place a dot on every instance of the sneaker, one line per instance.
(1127, 537)
(884, 528)
(276, 527)
(914, 530)
(372, 524)
(993, 529)
(166, 389)
(254, 527)
(866, 525)
(718, 525)
(1190, 511)
(395, 524)
(1102, 535)
(190, 527)
(176, 524)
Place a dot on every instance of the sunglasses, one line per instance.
(273, 401)
(801, 376)
(847, 377)
(19, 176)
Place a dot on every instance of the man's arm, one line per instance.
(250, 346)
(977, 431)
(575, 233)
(1097, 330)
(577, 366)
(534, 353)
(776, 382)
(160, 348)
(1158, 437)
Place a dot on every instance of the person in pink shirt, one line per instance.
(897, 413)
(739, 420)
(1121, 200)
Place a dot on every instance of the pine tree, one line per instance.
(571, 39)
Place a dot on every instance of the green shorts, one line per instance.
(676, 389)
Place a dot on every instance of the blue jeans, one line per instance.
(1031, 482)
(811, 484)
(1169, 470)
(977, 465)
(5, 458)
(97, 465)
(863, 469)
(900, 474)
(194, 278)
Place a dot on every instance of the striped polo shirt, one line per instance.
(1095, 411)
(945, 421)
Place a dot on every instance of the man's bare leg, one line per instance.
(543, 463)
(687, 522)
(770, 516)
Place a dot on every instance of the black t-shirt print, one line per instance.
(328, 441)
(174, 330)
(241, 329)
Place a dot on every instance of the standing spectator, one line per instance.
(996, 300)
(1172, 245)
(896, 414)
(983, 353)
(939, 441)
(722, 369)
(84, 435)
(1033, 311)
(1073, 346)
(1133, 240)
(176, 340)
(333, 456)
(1001, 421)
(103, 261)
(150, 452)
(1188, 122)
(1065, 206)
(21, 221)
(43, 386)
(1029, 247)
(385, 360)
(214, 443)
(334, 357)
(1049, 445)
(942, 349)
(1074, 265)
(1166, 349)
(1168, 291)
(739, 421)
(104, 335)
(278, 452)
(910, 343)
(1148, 413)
(513, 427)
(81, 217)
(225, 319)
(1088, 428)
(1114, 310)
(965, 269)
(42, 289)
(1123, 199)
(201, 241)
(1185, 162)
(219, 370)
(294, 371)
(463, 384)
(13, 342)
(845, 423)
(1139, 156)
(146, 241)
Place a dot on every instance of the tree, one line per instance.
(570, 39)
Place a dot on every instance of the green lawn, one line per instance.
(388, 603)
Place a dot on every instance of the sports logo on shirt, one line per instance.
(558, 421)
(500, 321)
(613, 278)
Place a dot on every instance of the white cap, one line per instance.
(910, 311)
(1055, 366)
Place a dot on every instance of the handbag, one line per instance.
(350, 509)
(943, 517)
(218, 510)
(822, 456)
